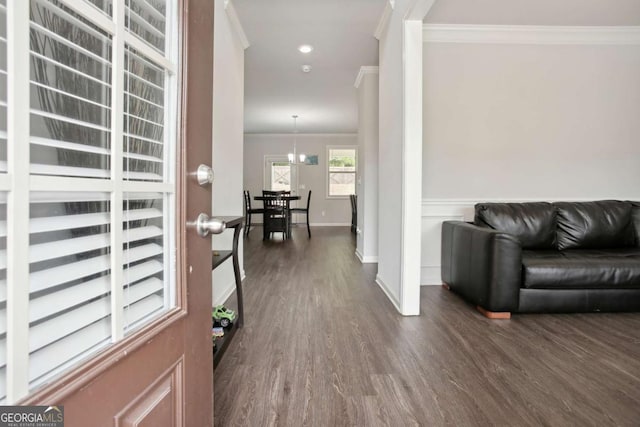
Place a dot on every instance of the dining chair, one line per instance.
(304, 211)
(285, 203)
(248, 211)
(276, 217)
(354, 212)
(275, 193)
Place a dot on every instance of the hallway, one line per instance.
(322, 345)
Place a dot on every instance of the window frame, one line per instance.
(328, 172)
(19, 184)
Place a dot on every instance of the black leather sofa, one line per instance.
(545, 257)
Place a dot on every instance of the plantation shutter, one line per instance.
(3, 284)
(144, 258)
(3, 199)
(102, 146)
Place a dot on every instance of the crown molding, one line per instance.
(365, 69)
(384, 19)
(235, 23)
(453, 203)
(531, 34)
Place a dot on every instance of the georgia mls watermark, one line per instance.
(31, 416)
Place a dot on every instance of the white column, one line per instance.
(412, 167)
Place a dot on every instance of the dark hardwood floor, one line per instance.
(322, 346)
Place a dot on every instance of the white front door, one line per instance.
(280, 175)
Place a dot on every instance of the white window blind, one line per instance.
(144, 102)
(70, 93)
(144, 263)
(101, 136)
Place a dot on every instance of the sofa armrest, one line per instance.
(482, 265)
(635, 217)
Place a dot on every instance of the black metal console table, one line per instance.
(218, 257)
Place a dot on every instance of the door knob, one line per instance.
(205, 225)
(204, 175)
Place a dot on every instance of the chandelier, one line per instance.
(294, 157)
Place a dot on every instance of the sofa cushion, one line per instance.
(582, 269)
(594, 225)
(534, 224)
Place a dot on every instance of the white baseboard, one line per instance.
(386, 291)
(312, 224)
(430, 275)
(228, 291)
(366, 259)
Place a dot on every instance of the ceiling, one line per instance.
(341, 32)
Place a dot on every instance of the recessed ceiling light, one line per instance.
(305, 48)
(306, 68)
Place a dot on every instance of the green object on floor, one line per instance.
(223, 315)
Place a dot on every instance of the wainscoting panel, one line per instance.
(434, 212)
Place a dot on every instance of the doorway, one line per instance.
(279, 174)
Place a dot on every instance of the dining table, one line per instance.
(287, 199)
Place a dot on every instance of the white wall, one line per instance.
(400, 153)
(314, 178)
(525, 122)
(390, 155)
(228, 113)
(367, 188)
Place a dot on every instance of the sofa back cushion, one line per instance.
(534, 224)
(595, 225)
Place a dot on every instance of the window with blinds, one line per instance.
(341, 171)
(100, 128)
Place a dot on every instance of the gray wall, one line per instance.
(525, 122)
(257, 146)
(541, 121)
